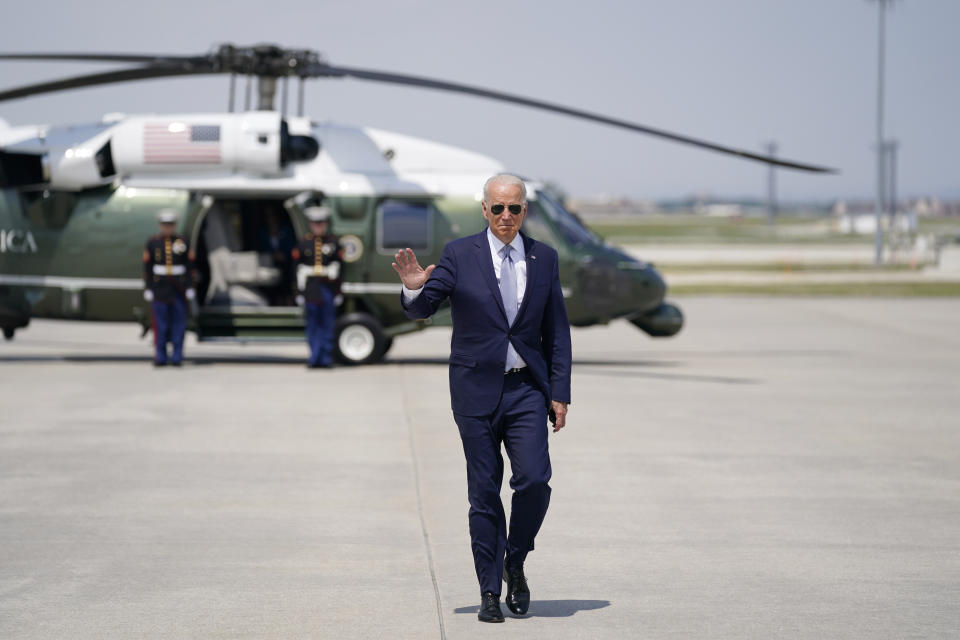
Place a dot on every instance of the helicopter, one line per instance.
(77, 203)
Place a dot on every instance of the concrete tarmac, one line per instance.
(784, 468)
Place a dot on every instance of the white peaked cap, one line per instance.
(317, 214)
(168, 215)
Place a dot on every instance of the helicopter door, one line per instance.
(244, 258)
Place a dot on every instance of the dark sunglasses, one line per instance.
(515, 209)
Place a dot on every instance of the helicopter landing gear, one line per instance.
(8, 333)
(359, 339)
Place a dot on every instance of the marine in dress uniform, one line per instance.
(168, 284)
(319, 259)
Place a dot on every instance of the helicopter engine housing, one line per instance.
(258, 144)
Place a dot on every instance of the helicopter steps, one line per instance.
(261, 324)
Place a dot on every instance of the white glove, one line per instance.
(191, 293)
(148, 295)
(338, 300)
(299, 300)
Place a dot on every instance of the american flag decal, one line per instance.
(180, 143)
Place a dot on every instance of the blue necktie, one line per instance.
(508, 291)
(508, 284)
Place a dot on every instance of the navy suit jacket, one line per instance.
(478, 350)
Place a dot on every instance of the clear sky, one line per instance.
(739, 72)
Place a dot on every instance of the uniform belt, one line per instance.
(175, 270)
(514, 370)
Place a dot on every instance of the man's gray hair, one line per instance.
(504, 179)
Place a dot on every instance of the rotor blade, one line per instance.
(442, 85)
(108, 77)
(99, 57)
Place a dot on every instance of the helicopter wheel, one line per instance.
(8, 333)
(359, 339)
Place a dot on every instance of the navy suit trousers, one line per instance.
(520, 424)
(321, 318)
(169, 326)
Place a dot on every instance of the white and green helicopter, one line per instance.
(78, 202)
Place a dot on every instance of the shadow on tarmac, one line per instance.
(619, 373)
(444, 361)
(291, 360)
(548, 608)
(620, 368)
(753, 353)
(678, 377)
(147, 360)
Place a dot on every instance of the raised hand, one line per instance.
(411, 273)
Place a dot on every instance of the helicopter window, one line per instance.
(569, 226)
(352, 207)
(404, 224)
(536, 226)
(51, 210)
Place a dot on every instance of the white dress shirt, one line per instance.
(519, 265)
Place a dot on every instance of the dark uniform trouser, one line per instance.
(321, 317)
(520, 423)
(169, 325)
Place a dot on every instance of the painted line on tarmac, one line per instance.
(423, 522)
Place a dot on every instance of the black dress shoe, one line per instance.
(490, 608)
(518, 593)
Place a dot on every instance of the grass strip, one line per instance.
(867, 289)
(777, 267)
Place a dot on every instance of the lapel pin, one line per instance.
(533, 257)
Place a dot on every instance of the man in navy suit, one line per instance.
(509, 366)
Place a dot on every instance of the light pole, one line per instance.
(891, 178)
(881, 155)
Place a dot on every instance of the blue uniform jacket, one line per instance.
(540, 333)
